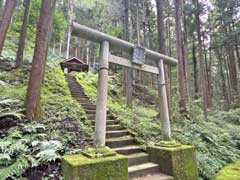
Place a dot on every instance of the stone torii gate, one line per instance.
(109, 43)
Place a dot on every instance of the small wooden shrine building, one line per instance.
(74, 64)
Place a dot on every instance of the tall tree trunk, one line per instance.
(138, 26)
(229, 87)
(180, 55)
(126, 20)
(203, 72)
(209, 74)
(195, 69)
(127, 72)
(10, 5)
(1, 9)
(21, 45)
(185, 54)
(223, 79)
(237, 53)
(39, 58)
(161, 27)
(69, 28)
(233, 72)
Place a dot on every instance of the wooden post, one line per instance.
(163, 105)
(101, 106)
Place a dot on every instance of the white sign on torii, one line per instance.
(110, 43)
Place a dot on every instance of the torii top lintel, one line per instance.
(115, 43)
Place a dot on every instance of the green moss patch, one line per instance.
(79, 167)
(98, 152)
(168, 144)
(179, 162)
(230, 172)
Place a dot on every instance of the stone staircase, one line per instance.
(120, 140)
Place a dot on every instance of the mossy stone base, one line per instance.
(179, 162)
(230, 172)
(80, 167)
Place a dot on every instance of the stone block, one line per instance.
(80, 167)
(177, 161)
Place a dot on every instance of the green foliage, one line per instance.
(28, 143)
(89, 82)
(15, 169)
(63, 127)
(216, 139)
(230, 172)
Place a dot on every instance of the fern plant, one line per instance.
(15, 169)
(24, 148)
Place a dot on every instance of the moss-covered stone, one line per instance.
(179, 162)
(230, 172)
(79, 167)
(99, 152)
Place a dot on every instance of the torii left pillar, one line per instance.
(102, 91)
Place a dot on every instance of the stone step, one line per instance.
(92, 117)
(78, 94)
(127, 150)
(76, 86)
(138, 158)
(83, 101)
(77, 97)
(91, 111)
(89, 108)
(157, 176)
(118, 142)
(143, 170)
(114, 128)
(109, 122)
(118, 133)
(80, 98)
(88, 105)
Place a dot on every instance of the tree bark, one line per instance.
(138, 26)
(10, 5)
(1, 9)
(181, 60)
(39, 58)
(161, 27)
(69, 28)
(127, 72)
(21, 45)
(126, 20)
(203, 72)
(195, 69)
(223, 79)
(185, 55)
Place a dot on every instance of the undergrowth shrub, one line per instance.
(64, 127)
(216, 138)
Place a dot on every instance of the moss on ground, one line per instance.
(63, 119)
(230, 172)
